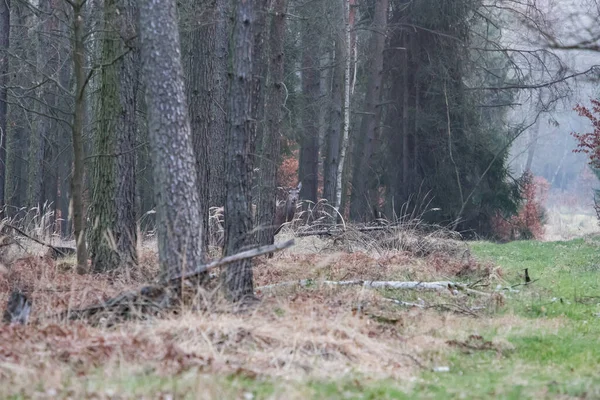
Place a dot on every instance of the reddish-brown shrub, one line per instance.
(287, 174)
(528, 223)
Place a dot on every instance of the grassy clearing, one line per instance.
(323, 342)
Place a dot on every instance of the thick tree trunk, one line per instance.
(216, 155)
(101, 234)
(405, 128)
(311, 91)
(361, 189)
(126, 223)
(271, 142)
(238, 281)
(4, 44)
(80, 104)
(199, 67)
(178, 214)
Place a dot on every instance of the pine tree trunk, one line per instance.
(216, 154)
(80, 105)
(311, 81)
(271, 142)
(126, 223)
(334, 132)
(238, 281)
(102, 212)
(174, 163)
(199, 67)
(4, 45)
(365, 149)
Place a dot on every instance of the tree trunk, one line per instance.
(271, 142)
(346, 124)
(4, 44)
(178, 213)
(364, 167)
(405, 128)
(199, 66)
(259, 73)
(533, 138)
(238, 281)
(102, 212)
(216, 154)
(80, 104)
(311, 80)
(126, 223)
(334, 132)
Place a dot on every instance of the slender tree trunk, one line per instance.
(271, 142)
(216, 155)
(346, 125)
(368, 127)
(45, 66)
(238, 281)
(80, 105)
(126, 223)
(533, 138)
(334, 132)
(101, 234)
(4, 45)
(178, 208)
(311, 80)
(199, 65)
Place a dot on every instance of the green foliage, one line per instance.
(457, 140)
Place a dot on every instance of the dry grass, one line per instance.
(294, 333)
(566, 224)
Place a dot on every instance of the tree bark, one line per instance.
(199, 66)
(334, 132)
(271, 143)
(346, 124)
(126, 223)
(178, 214)
(311, 81)
(238, 281)
(4, 45)
(216, 156)
(102, 212)
(79, 115)
(361, 191)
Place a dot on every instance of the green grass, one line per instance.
(542, 364)
(567, 278)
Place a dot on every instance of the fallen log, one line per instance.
(452, 287)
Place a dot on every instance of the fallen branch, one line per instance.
(64, 251)
(153, 299)
(258, 251)
(338, 231)
(439, 286)
(405, 303)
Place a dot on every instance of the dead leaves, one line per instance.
(82, 349)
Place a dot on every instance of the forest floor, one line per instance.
(506, 340)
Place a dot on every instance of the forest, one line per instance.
(299, 198)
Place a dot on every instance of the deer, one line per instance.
(285, 212)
